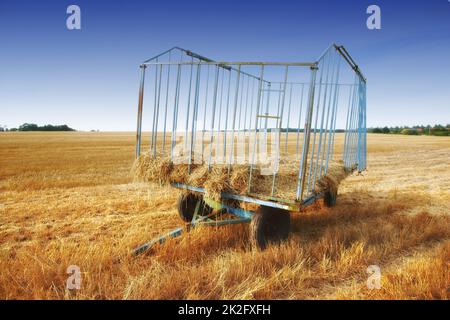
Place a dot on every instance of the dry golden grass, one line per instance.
(68, 199)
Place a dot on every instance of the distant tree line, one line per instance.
(437, 130)
(47, 127)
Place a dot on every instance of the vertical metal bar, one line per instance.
(175, 112)
(252, 95)
(155, 128)
(206, 107)
(333, 123)
(240, 110)
(189, 106)
(365, 127)
(250, 116)
(306, 137)
(196, 104)
(194, 116)
(352, 128)
(154, 105)
(288, 118)
(216, 81)
(279, 99)
(266, 118)
(280, 121)
(344, 154)
(356, 129)
(327, 138)
(361, 154)
(258, 101)
(139, 115)
(347, 126)
(329, 125)
(245, 118)
(361, 98)
(221, 77)
(176, 105)
(236, 97)
(226, 118)
(315, 122)
(325, 100)
(263, 96)
(299, 120)
(166, 105)
(355, 126)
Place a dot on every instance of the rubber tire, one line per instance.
(186, 206)
(330, 199)
(269, 225)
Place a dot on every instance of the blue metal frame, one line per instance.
(290, 206)
(160, 240)
(244, 216)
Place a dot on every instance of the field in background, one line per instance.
(68, 199)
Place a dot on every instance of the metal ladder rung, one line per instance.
(272, 90)
(267, 116)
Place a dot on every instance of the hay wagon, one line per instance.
(250, 142)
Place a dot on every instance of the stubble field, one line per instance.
(68, 199)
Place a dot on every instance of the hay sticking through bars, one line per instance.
(335, 174)
(198, 176)
(139, 169)
(219, 180)
(180, 173)
(217, 183)
(182, 170)
(149, 169)
(239, 178)
(240, 175)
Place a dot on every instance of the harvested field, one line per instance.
(69, 199)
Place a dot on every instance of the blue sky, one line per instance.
(89, 78)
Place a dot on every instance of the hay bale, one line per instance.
(335, 174)
(239, 178)
(164, 168)
(218, 179)
(149, 169)
(240, 175)
(328, 184)
(180, 173)
(198, 176)
(217, 183)
(139, 168)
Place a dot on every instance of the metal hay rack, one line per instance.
(256, 114)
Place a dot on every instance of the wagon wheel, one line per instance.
(269, 225)
(186, 206)
(330, 198)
